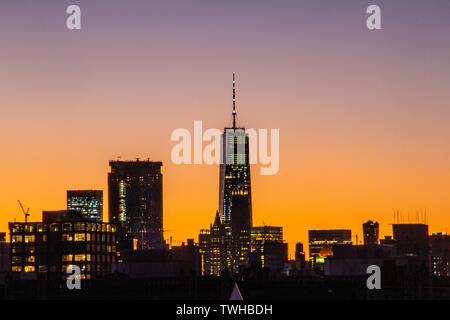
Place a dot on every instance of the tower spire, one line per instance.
(234, 101)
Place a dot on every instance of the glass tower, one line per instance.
(235, 205)
(88, 202)
(135, 202)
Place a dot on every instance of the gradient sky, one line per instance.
(363, 115)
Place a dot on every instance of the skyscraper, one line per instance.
(235, 201)
(268, 247)
(135, 202)
(88, 202)
(371, 232)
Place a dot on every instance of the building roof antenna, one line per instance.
(234, 101)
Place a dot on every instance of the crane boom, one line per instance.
(26, 213)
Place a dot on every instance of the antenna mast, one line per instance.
(234, 101)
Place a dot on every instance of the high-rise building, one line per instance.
(44, 250)
(371, 232)
(412, 240)
(235, 197)
(321, 244)
(88, 202)
(268, 247)
(136, 202)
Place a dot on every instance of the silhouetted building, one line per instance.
(181, 260)
(235, 197)
(402, 276)
(299, 256)
(321, 244)
(440, 254)
(371, 232)
(412, 239)
(136, 202)
(4, 257)
(204, 239)
(88, 202)
(268, 248)
(44, 250)
(189, 255)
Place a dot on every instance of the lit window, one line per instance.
(16, 259)
(16, 228)
(67, 257)
(16, 239)
(67, 237)
(80, 257)
(29, 269)
(80, 226)
(16, 269)
(80, 237)
(29, 239)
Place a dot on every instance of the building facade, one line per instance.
(321, 244)
(268, 248)
(371, 232)
(136, 202)
(88, 202)
(44, 250)
(214, 248)
(440, 254)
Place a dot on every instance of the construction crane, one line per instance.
(26, 213)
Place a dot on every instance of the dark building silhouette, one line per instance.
(299, 256)
(88, 202)
(371, 232)
(4, 257)
(183, 260)
(235, 200)
(412, 239)
(44, 250)
(440, 254)
(321, 244)
(136, 203)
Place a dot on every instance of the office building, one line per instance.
(371, 232)
(44, 250)
(136, 202)
(235, 200)
(88, 202)
(321, 244)
(268, 248)
(214, 249)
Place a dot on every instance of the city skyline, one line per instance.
(363, 131)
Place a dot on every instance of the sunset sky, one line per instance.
(364, 116)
